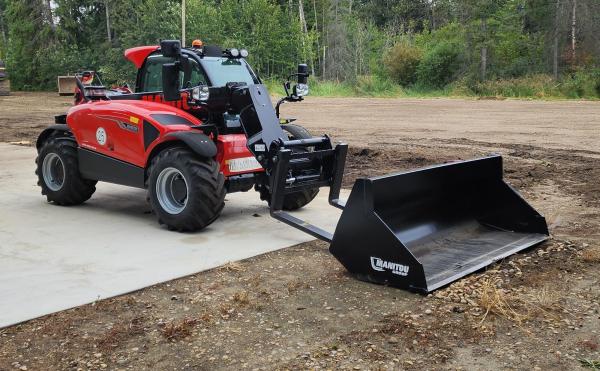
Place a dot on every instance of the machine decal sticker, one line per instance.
(243, 164)
(381, 265)
(101, 136)
(128, 127)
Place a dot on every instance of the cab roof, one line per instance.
(138, 55)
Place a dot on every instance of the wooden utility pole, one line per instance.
(108, 33)
(182, 22)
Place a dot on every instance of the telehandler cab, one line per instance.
(200, 124)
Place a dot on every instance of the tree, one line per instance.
(29, 35)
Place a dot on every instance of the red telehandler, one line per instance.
(201, 124)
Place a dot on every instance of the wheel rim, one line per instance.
(172, 190)
(53, 171)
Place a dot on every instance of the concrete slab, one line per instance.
(54, 258)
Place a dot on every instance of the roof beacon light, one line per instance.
(234, 52)
(197, 43)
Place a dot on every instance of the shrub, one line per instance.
(535, 86)
(401, 62)
(372, 85)
(581, 84)
(439, 65)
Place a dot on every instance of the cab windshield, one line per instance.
(220, 71)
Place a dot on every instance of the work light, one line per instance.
(200, 93)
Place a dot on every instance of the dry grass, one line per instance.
(241, 298)
(231, 267)
(176, 330)
(295, 285)
(120, 332)
(589, 345)
(546, 297)
(498, 301)
(591, 255)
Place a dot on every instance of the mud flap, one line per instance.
(423, 229)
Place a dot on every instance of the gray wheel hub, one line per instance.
(171, 190)
(53, 171)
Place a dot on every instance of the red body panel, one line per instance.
(121, 121)
(231, 147)
(139, 54)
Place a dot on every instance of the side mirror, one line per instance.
(303, 74)
(171, 48)
(170, 81)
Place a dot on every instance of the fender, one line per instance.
(56, 128)
(201, 144)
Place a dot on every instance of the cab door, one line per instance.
(150, 75)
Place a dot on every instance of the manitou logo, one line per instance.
(382, 265)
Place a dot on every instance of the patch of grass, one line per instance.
(231, 267)
(241, 298)
(496, 300)
(176, 330)
(593, 364)
(119, 333)
(591, 255)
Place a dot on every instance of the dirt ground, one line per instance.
(298, 309)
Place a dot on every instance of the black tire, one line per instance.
(204, 195)
(58, 173)
(296, 200)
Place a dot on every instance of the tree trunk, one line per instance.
(484, 50)
(555, 49)
(432, 6)
(573, 32)
(47, 12)
(316, 28)
(108, 31)
(2, 29)
(305, 36)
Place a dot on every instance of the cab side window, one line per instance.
(152, 73)
(194, 77)
(151, 78)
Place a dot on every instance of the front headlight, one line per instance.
(200, 93)
(301, 90)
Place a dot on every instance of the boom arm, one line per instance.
(290, 165)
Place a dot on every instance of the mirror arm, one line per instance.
(279, 103)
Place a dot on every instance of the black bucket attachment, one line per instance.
(418, 230)
(424, 229)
